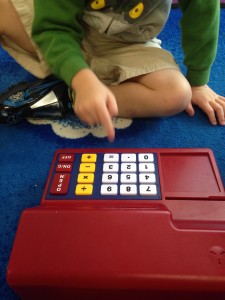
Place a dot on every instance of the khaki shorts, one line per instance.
(112, 61)
(34, 64)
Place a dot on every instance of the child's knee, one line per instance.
(178, 97)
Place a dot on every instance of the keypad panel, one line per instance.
(104, 176)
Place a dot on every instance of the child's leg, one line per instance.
(162, 93)
(16, 18)
(11, 26)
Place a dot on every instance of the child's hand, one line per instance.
(94, 102)
(211, 103)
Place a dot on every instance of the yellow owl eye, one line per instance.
(98, 4)
(135, 12)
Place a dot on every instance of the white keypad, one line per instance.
(129, 175)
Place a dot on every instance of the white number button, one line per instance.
(128, 178)
(145, 157)
(147, 178)
(148, 190)
(110, 178)
(110, 167)
(109, 189)
(148, 167)
(128, 167)
(128, 189)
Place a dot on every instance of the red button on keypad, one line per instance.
(60, 184)
(64, 167)
(66, 158)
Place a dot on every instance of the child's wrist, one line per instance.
(82, 77)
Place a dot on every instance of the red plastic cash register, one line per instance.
(124, 224)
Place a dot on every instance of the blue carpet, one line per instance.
(26, 150)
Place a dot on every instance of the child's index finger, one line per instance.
(106, 121)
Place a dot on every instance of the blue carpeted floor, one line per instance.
(26, 149)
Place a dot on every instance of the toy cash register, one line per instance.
(124, 224)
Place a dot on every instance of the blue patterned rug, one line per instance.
(26, 149)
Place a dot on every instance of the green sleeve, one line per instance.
(200, 28)
(57, 33)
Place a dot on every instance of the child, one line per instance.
(108, 53)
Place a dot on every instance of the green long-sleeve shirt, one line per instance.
(200, 29)
(58, 31)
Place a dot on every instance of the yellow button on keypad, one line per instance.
(87, 167)
(84, 189)
(85, 178)
(89, 158)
